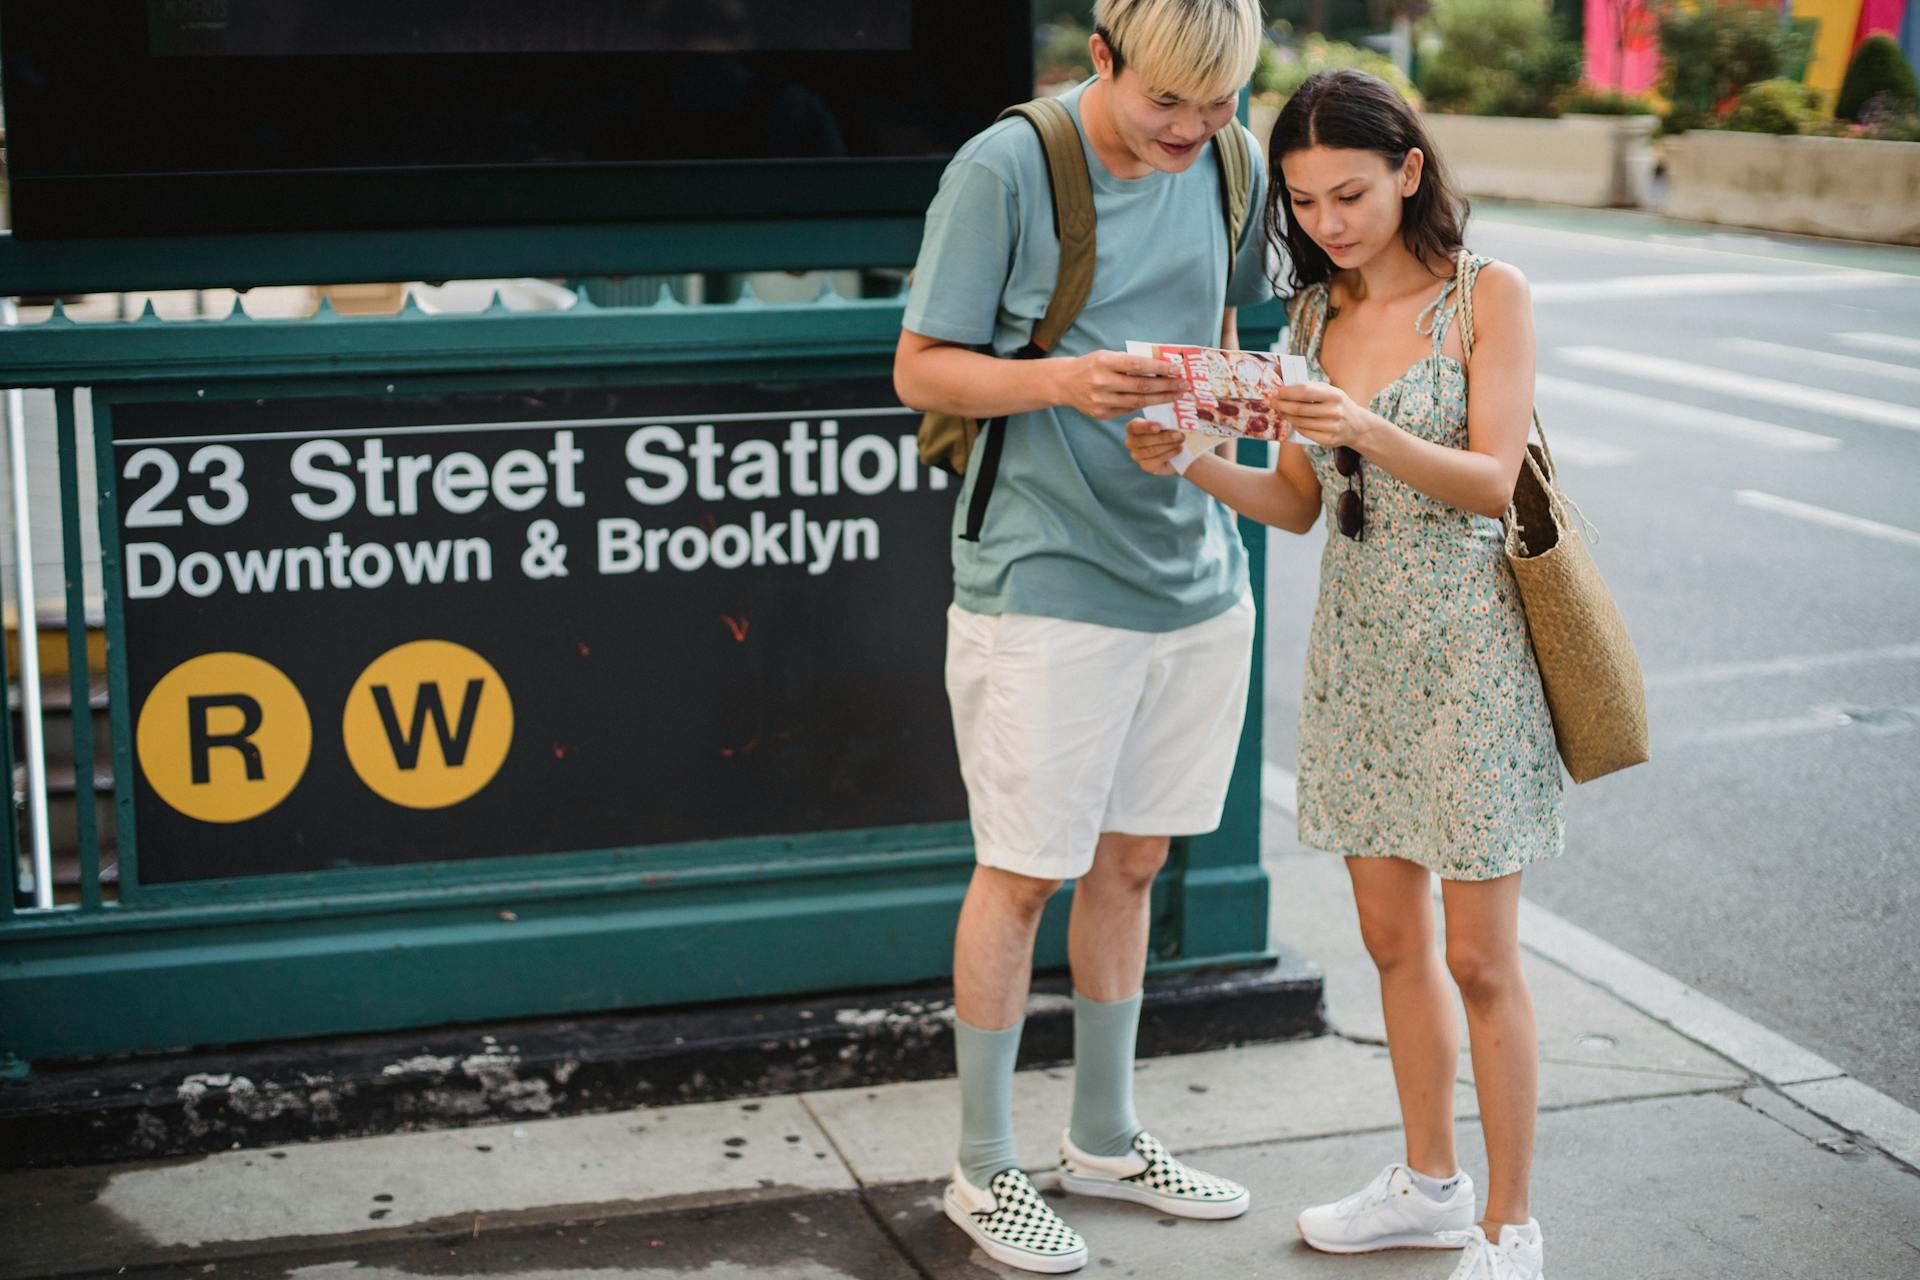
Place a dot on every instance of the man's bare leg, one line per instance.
(992, 969)
(1107, 932)
(993, 946)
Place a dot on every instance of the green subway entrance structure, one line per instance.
(504, 664)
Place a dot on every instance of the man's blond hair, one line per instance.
(1202, 50)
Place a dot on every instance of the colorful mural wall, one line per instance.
(1623, 44)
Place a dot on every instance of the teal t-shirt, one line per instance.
(1073, 528)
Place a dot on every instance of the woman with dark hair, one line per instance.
(1425, 743)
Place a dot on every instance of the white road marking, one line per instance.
(1822, 719)
(1635, 365)
(1672, 413)
(1884, 342)
(1726, 672)
(1820, 515)
(1811, 1080)
(1663, 247)
(1709, 284)
(1824, 359)
(1588, 452)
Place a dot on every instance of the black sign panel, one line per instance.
(382, 631)
(277, 115)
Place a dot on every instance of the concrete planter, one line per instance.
(1591, 160)
(1856, 188)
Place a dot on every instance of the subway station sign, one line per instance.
(385, 630)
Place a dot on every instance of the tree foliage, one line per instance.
(1282, 69)
(1496, 58)
(1712, 49)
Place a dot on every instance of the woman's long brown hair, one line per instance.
(1353, 111)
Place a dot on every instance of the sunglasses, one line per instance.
(1351, 510)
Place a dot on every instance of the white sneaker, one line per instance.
(1391, 1213)
(1520, 1255)
(1150, 1175)
(1012, 1224)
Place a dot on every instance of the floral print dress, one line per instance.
(1424, 733)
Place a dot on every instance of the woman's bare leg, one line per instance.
(1483, 954)
(1395, 898)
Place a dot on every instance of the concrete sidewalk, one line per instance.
(1656, 1157)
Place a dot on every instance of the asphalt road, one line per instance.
(1768, 855)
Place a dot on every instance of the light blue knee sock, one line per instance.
(985, 1065)
(1103, 1035)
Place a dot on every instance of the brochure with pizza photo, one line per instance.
(1228, 390)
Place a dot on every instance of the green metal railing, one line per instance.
(87, 835)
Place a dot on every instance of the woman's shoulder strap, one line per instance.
(1306, 318)
(1467, 271)
(1475, 261)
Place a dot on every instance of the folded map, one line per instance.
(1228, 390)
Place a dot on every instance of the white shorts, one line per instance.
(1068, 729)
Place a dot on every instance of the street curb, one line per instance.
(1798, 1073)
(150, 1107)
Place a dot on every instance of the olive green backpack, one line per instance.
(947, 438)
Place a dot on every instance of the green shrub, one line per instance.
(1712, 49)
(1283, 68)
(1878, 70)
(1774, 106)
(1890, 118)
(1904, 129)
(1597, 100)
(1496, 58)
(1883, 119)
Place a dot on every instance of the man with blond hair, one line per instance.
(1100, 635)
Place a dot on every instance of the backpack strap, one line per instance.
(1235, 163)
(1073, 221)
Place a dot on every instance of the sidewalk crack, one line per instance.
(862, 1193)
(893, 1237)
(1721, 1077)
(806, 1105)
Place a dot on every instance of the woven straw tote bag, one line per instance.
(1587, 663)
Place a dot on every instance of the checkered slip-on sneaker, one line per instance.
(1013, 1225)
(1150, 1175)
